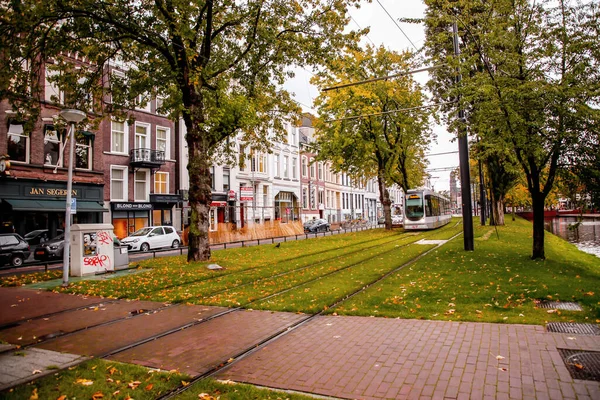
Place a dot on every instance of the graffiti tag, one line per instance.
(103, 237)
(99, 261)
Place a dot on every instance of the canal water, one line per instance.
(585, 235)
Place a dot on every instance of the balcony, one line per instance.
(146, 158)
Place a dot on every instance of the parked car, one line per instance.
(317, 225)
(50, 250)
(152, 237)
(397, 219)
(39, 236)
(13, 249)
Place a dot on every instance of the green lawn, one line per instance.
(498, 282)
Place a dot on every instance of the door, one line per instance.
(157, 238)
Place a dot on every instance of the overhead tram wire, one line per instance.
(398, 26)
(389, 112)
(414, 71)
(441, 154)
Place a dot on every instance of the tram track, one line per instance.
(262, 343)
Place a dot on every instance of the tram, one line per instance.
(425, 209)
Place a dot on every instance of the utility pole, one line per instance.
(463, 155)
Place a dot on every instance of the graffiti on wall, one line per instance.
(97, 250)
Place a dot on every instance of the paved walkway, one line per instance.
(345, 357)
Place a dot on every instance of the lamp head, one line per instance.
(71, 115)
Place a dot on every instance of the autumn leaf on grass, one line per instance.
(111, 369)
(97, 395)
(84, 382)
(149, 387)
(206, 396)
(134, 384)
(62, 397)
(34, 395)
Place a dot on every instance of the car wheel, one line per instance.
(144, 247)
(16, 261)
(175, 244)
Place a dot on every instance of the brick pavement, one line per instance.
(377, 358)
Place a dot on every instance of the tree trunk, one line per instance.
(537, 201)
(200, 194)
(497, 210)
(384, 197)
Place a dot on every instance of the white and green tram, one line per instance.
(425, 209)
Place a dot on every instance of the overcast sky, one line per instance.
(384, 31)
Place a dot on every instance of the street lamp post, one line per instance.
(72, 116)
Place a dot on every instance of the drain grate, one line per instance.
(570, 327)
(558, 305)
(582, 364)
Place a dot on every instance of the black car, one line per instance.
(13, 249)
(316, 225)
(50, 250)
(39, 236)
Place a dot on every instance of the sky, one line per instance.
(384, 31)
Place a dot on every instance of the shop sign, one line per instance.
(132, 206)
(231, 195)
(246, 193)
(218, 204)
(42, 191)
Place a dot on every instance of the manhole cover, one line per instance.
(582, 364)
(570, 327)
(558, 305)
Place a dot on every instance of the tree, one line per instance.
(220, 64)
(529, 69)
(502, 174)
(359, 129)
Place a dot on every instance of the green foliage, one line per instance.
(530, 80)
(358, 129)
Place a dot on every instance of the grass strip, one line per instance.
(210, 389)
(29, 278)
(234, 282)
(243, 296)
(498, 282)
(319, 295)
(174, 271)
(99, 379)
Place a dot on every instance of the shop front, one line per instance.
(129, 217)
(286, 207)
(29, 205)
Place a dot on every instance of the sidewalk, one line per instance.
(345, 357)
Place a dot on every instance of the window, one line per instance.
(242, 159)
(285, 166)
(294, 168)
(52, 147)
(262, 163)
(141, 185)
(265, 195)
(320, 165)
(212, 178)
(159, 104)
(226, 184)
(312, 168)
(304, 167)
(143, 102)
(321, 197)
(162, 140)
(83, 151)
(118, 137)
(141, 136)
(276, 159)
(18, 143)
(118, 183)
(51, 91)
(305, 198)
(161, 182)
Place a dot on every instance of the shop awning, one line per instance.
(53, 205)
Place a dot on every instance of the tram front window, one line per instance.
(414, 207)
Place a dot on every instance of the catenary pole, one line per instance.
(463, 155)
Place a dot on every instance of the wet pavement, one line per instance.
(344, 357)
